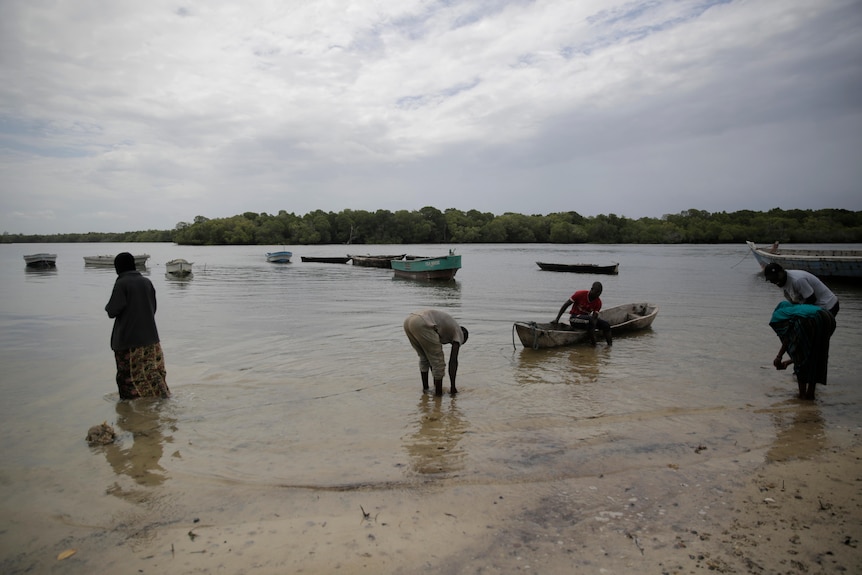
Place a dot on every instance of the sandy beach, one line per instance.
(788, 515)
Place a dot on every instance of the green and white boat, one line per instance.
(439, 268)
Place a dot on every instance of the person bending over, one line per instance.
(428, 331)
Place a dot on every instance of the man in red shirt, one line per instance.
(585, 312)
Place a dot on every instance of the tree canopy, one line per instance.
(431, 226)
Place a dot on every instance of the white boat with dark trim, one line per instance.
(826, 263)
(42, 260)
(108, 261)
(179, 268)
(282, 257)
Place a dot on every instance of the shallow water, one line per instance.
(300, 375)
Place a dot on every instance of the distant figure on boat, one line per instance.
(802, 287)
(428, 331)
(135, 339)
(585, 312)
(804, 331)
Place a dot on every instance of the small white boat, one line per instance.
(282, 257)
(108, 261)
(623, 318)
(41, 260)
(179, 268)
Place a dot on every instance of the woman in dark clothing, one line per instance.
(804, 331)
(135, 339)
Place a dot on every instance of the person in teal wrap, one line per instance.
(804, 331)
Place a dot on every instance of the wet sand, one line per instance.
(734, 516)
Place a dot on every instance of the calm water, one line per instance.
(300, 374)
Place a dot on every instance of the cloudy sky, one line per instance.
(119, 116)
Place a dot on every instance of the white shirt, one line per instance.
(800, 285)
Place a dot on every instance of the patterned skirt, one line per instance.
(141, 372)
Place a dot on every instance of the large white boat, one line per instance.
(108, 261)
(822, 263)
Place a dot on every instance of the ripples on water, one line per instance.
(300, 374)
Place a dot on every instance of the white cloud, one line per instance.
(152, 113)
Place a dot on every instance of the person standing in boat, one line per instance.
(428, 331)
(585, 312)
(134, 338)
(804, 331)
(802, 287)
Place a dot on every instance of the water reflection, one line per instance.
(575, 364)
(143, 422)
(178, 283)
(800, 432)
(433, 447)
(445, 290)
(36, 273)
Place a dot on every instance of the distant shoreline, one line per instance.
(431, 226)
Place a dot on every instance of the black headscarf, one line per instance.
(124, 262)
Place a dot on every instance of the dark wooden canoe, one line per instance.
(382, 261)
(612, 269)
(326, 260)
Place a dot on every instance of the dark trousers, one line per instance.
(590, 323)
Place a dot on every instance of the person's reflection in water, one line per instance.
(433, 447)
(800, 433)
(140, 460)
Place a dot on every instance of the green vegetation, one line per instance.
(431, 226)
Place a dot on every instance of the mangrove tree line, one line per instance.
(432, 226)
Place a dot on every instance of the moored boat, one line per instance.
(612, 269)
(179, 268)
(820, 262)
(282, 257)
(623, 318)
(326, 260)
(108, 261)
(379, 261)
(438, 268)
(41, 260)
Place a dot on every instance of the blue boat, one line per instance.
(279, 257)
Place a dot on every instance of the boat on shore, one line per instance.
(612, 269)
(824, 263)
(108, 261)
(379, 261)
(326, 260)
(282, 257)
(41, 260)
(179, 268)
(437, 268)
(623, 318)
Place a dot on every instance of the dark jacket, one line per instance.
(133, 307)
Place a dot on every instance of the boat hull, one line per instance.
(612, 269)
(179, 268)
(383, 261)
(42, 260)
(822, 263)
(325, 260)
(623, 318)
(108, 261)
(279, 257)
(441, 268)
